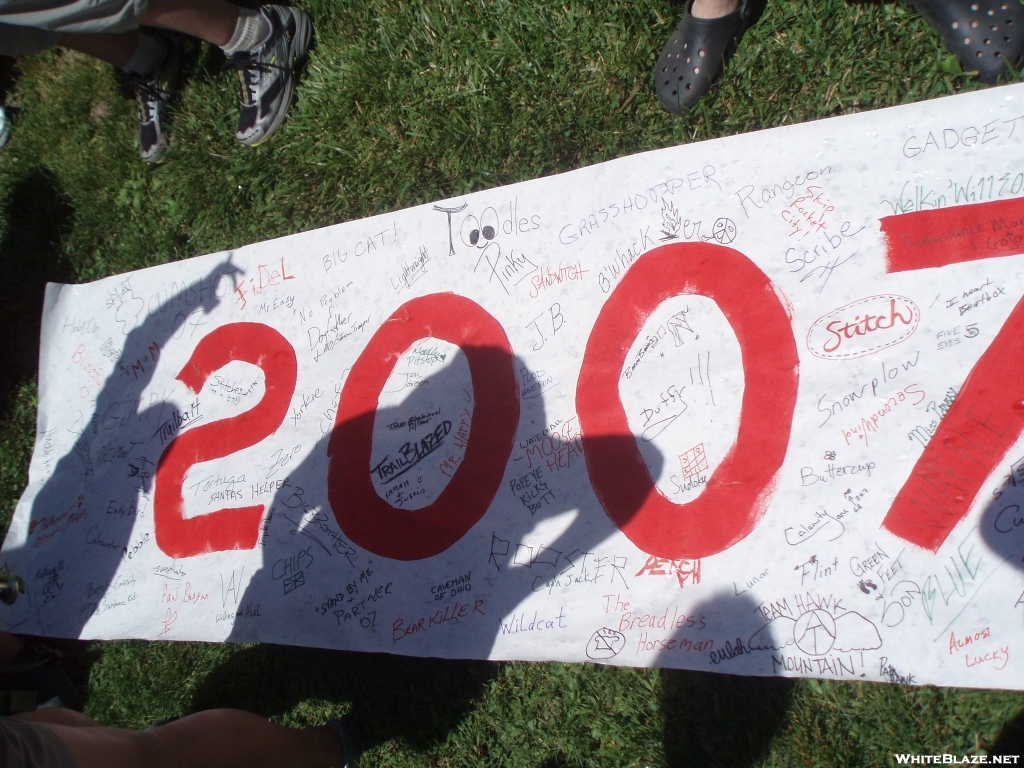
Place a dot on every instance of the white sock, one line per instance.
(252, 29)
(149, 54)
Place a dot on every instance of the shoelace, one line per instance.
(148, 91)
(247, 65)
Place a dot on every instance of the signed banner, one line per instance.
(750, 406)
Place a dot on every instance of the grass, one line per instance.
(404, 102)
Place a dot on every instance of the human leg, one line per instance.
(152, 63)
(112, 47)
(269, 71)
(211, 20)
(79, 20)
(713, 9)
(58, 716)
(27, 745)
(216, 738)
(264, 45)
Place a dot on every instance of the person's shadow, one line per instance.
(37, 213)
(1002, 521)
(1002, 529)
(92, 472)
(716, 718)
(550, 541)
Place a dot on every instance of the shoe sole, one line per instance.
(296, 52)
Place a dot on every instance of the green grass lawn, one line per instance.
(405, 102)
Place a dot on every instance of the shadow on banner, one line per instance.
(117, 443)
(392, 697)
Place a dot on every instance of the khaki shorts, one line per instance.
(31, 745)
(30, 26)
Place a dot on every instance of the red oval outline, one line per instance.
(733, 500)
(871, 350)
(364, 516)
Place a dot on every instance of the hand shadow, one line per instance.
(93, 495)
(419, 701)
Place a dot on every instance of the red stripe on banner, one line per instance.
(983, 423)
(942, 236)
(987, 416)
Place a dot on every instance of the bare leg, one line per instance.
(210, 20)
(217, 738)
(713, 9)
(58, 716)
(114, 49)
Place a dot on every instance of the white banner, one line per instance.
(751, 406)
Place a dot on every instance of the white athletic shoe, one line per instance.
(153, 93)
(269, 71)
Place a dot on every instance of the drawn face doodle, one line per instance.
(480, 233)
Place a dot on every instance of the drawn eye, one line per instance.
(470, 231)
(489, 220)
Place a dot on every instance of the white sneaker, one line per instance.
(153, 93)
(268, 73)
